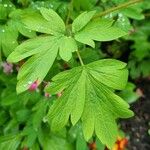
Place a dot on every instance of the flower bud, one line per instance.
(59, 94)
(33, 86)
(47, 95)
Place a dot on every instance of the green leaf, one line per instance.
(35, 147)
(56, 143)
(82, 20)
(36, 22)
(134, 12)
(8, 96)
(8, 39)
(32, 47)
(51, 141)
(3, 117)
(81, 143)
(40, 111)
(30, 136)
(89, 55)
(47, 22)
(36, 68)
(85, 40)
(76, 134)
(6, 6)
(128, 94)
(99, 30)
(16, 22)
(108, 72)
(3, 12)
(77, 99)
(9, 142)
(23, 115)
(67, 47)
(84, 5)
(99, 145)
(88, 95)
(56, 23)
(123, 22)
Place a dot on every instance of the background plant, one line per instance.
(57, 44)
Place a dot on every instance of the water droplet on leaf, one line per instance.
(5, 5)
(3, 30)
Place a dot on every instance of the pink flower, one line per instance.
(7, 67)
(33, 86)
(47, 95)
(59, 94)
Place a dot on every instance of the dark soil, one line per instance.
(138, 126)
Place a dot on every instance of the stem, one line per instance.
(147, 15)
(69, 12)
(79, 56)
(121, 6)
(67, 22)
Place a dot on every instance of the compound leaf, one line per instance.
(99, 30)
(44, 49)
(88, 96)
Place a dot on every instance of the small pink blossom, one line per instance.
(7, 67)
(33, 86)
(47, 95)
(59, 94)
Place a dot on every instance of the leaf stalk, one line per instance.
(80, 59)
(121, 6)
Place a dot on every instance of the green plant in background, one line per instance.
(140, 56)
(43, 39)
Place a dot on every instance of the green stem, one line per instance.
(69, 12)
(67, 22)
(121, 6)
(80, 59)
